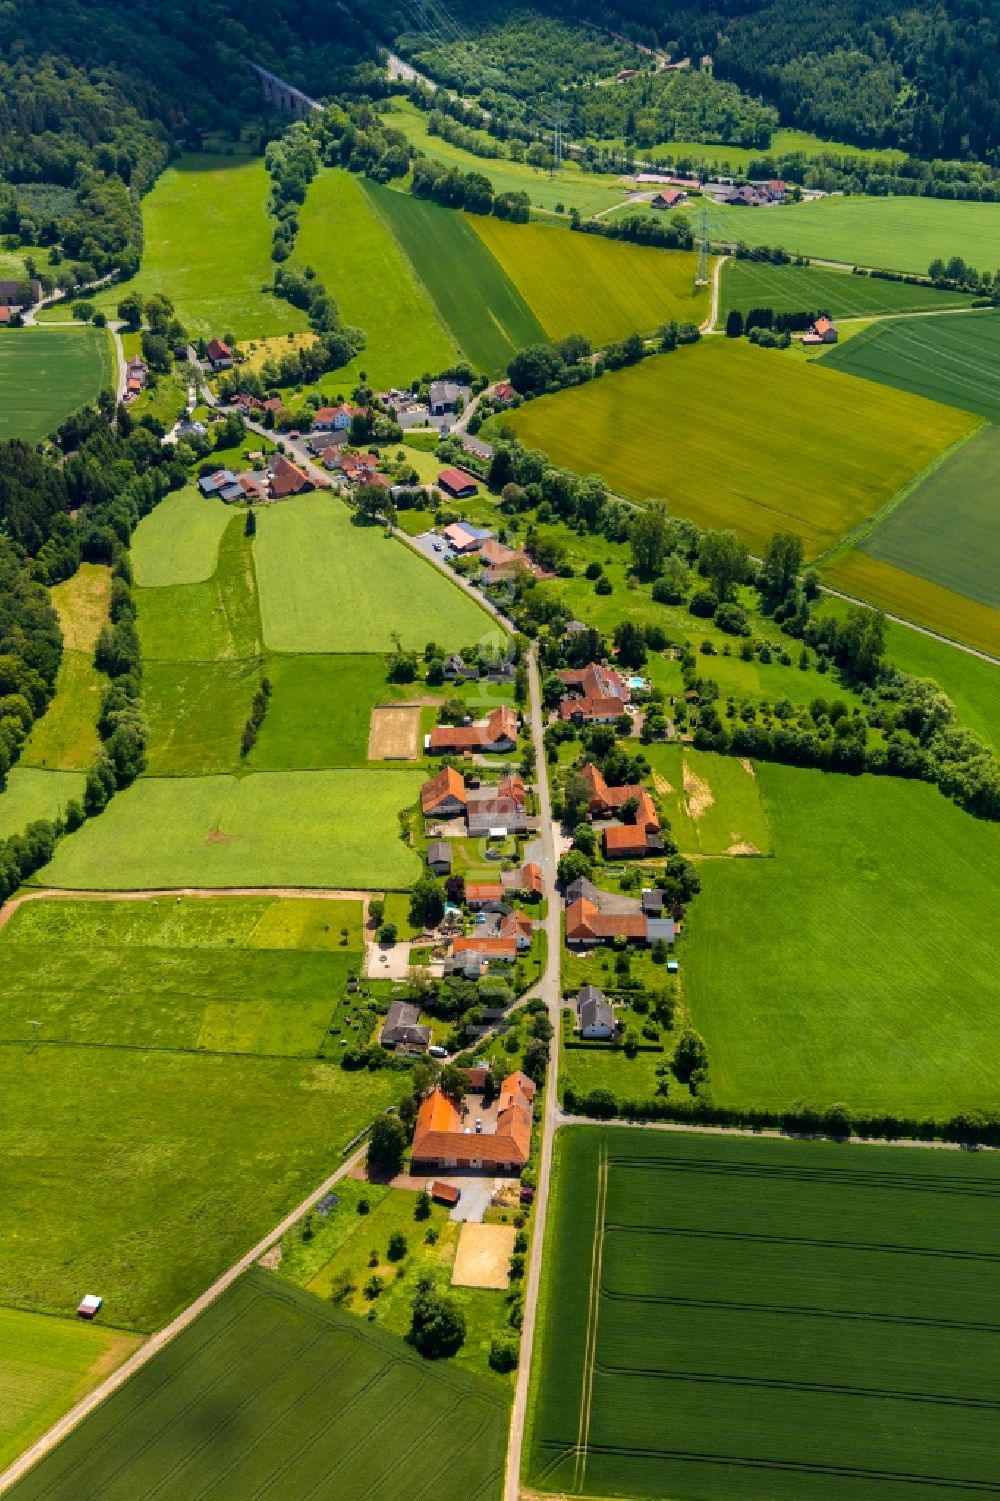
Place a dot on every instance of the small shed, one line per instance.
(439, 857)
(445, 1193)
(90, 1306)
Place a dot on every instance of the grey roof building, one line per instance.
(402, 1028)
(439, 857)
(597, 1019)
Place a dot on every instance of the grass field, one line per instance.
(721, 474)
(178, 542)
(215, 621)
(892, 234)
(953, 359)
(34, 793)
(327, 585)
(45, 1366)
(320, 828)
(783, 142)
(359, 262)
(729, 1318)
(579, 283)
(320, 711)
(207, 245)
(196, 712)
(856, 965)
(917, 599)
(809, 289)
(573, 188)
(46, 374)
(65, 738)
(273, 1393)
(713, 802)
(141, 1174)
(485, 312)
(948, 529)
(207, 976)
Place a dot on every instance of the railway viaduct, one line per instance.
(283, 96)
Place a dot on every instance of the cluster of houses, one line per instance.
(136, 376)
(821, 332)
(747, 194)
(279, 479)
(494, 735)
(594, 695)
(446, 399)
(497, 810)
(463, 540)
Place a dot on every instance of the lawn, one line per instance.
(857, 966)
(955, 359)
(33, 793)
(207, 246)
(811, 289)
(215, 621)
(728, 1318)
(334, 1262)
(606, 289)
(178, 542)
(357, 259)
(142, 1174)
(47, 374)
(203, 976)
(948, 529)
(65, 738)
(273, 1393)
(485, 312)
(893, 234)
(329, 585)
(910, 597)
(732, 160)
(753, 472)
(46, 1366)
(571, 187)
(320, 828)
(196, 713)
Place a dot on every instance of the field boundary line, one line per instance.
(376, 214)
(913, 625)
(865, 528)
(593, 1320)
(157, 1342)
(200, 893)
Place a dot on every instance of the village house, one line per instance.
(594, 695)
(463, 538)
(458, 484)
(247, 404)
(499, 562)
(323, 440)
(517, 925)
(503, 392)
(821, 332)
(668, 198)
(136, 373)
(500, 808)
(526, 883)
(221, 485)
(494, 735)
(219, 355)
(439, 857)
(594, 1014)
(484, 896)
(586, 925)
(456, 670)
(12, 292)
(473, 957)
(440, 1140)
(402, 1029)
(605, 801)
(445, 396)
(444, 796)
(285, 478)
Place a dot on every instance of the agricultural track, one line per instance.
(593, 1323)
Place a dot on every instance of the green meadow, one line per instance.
(47, 374)
(35, 793)
(196, 712)
(329, 585)
(45, 1366)
(479, 303)
(731, 160)
(214, 621)
(950, 359)
(178, 542)
(274, 1393)
(358, 260)
(65, 737)
(857, 965)
(893, 234)
(319, 715)
(305, 829)
(722, 474)
(605, 289)
(947, 530)
(713, 802)
(207, 245)
(750, 284)
(733, 1318)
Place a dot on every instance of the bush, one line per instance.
(732, 619)
(504, 1354)
(703, 603)
(422, 1208)
(593, 571)
(437, 1328)
(396, 1249)
(603, 585)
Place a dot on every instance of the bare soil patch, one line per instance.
(394, 734)
(661, 785)
(747, 765)
(218, 837)
(742, 847)
(483, 1256)
(700, 796)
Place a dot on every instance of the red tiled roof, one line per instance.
(498, 724)
(584, 920)
(490, 948)
(286, 478)
(457, 479)
(438, 1133)
(217, 350)
(447, 783)
(624, 839)
(483, 891)
(445, 1193)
